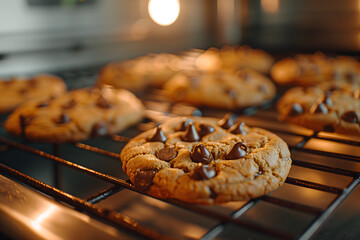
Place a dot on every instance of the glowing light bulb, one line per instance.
(164, 12)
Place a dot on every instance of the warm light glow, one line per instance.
(164, 12)
(270, 6)
(37, 221)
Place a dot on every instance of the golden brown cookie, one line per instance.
(14, 92)
(76, 115)
(330, 107)
(206, 161)
(222, 89)
(234, 58)
(310, 69)
(139, 73)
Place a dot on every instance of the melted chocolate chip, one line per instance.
(203, 172)
(245, 76)
(64, 118)
(350, 116)
(185, 124)
(237, 151)
(99, 129)
(205, 130)
(226, 122)
(70, 104)
(102, 102)
(318, 108)
(213, 194)
(238, 128)
(190, 134)
(296, 109)
(200, 154)
(333, 88)
(166, 154)
(328, 128)
(158, 136)
(143, 179)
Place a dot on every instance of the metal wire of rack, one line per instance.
(259, 117)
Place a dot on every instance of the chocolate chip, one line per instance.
(190, 134)
(333, 88)
(213, 194)
(64, 118)
(262, 88)
(203, 172)
(70, 104)
(326, 99)
(166, 154)
(200, 154)
(238, 128)
(226, 122)
(350, 116)
(351, 77)
(318, 108)
(185, 124)
(99, 129)
(102, 102)
(205, 130)
(296, 109)
(231, 93)
(244, 75)
(158, 136)
(328, 128)
(194, 80)
(43, 104)
(237, 151)
(143, 179)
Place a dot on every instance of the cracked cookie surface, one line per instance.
(76, 115)
(16, 91)
(330, 107)
(206, 161)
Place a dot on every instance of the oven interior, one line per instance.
(319, 199)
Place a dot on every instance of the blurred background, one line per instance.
(47, 35)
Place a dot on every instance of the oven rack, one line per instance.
(117, 219)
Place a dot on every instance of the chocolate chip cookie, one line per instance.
(206, 161)
(16, 91)
(330, 107)
(139, 73)
(221, 89)
(310, 69)
(234, 57)
(76, 115)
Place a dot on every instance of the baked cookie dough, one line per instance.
(139, 73)
(221, 89)
(311, 69)
(330, 107)
(206, 161)
(16, 91)
(76, 115)
(234, 57)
